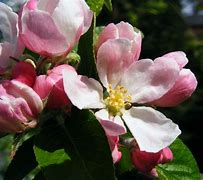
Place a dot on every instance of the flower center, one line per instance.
(117, 100)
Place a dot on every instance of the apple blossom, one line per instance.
(10, 43)
(184, 86)
(52, 28)
(121, 30)
(126, 86)
(50, 87)
(19, 106)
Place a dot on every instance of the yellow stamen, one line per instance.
(117, 100)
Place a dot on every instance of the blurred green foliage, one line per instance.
(5, 150)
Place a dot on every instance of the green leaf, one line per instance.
(108, 4)
(56, 157)
(95, 6)
(125, 164)
(75, 150)
(183, 165)
(23, 162)
(87, 64)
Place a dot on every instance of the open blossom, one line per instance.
(10, 43)
(19, 106)
(50, 87)
(52, 28)
(146, 162)
(126, 86)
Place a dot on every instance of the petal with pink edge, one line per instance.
(113, 58)
(43, 86)
(82, 91)
(19, 89)
(68, 20)
(152, 130)
(113, 126)
(183, 88)
(148, 80)
(42, 37)
(179, 57)
(109, 32)
(126, 30)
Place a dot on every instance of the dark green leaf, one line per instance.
(76, 150)
(125, 164)
(183, 165)
(39, 176)
(23, 162)
(87, 64)
(95, 6)
(108, 4)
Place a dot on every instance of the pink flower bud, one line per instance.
(121, 30)
(53, 28)
(146, 161)
(184, 86)
(19, 107)
(11, 46)
(24, 72)
(166, 156)
(50, 87)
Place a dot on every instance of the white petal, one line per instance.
(152, 130)
(72, 17)
(148, 80)
(113, 126)
(8, 21)
(83, 92)
(113, 58)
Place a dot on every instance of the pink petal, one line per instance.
(147, 80)
(5, 53)
(73, 18)
(166, 155)
(46, 6)
(179, 57)
(113, 58)
(57, 97)
(24, 72)
(113, 126)
(127, 31)
(121, 30)
(113, 143)
(109, 32)
(11, 45)
(21, 90)
(152, 130)
(82, 91)
(8, 23)
(42, 37)
(43, 86)
(19, 106)
(184, 87)
(145, 161)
